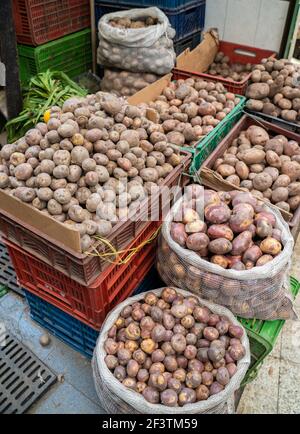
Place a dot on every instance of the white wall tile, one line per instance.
(241, 19)
(215, 15)
(271, 24)
(259, 23)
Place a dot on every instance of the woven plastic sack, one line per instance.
(126, 83)
(116, 398)
(148, 49)
(260, 292)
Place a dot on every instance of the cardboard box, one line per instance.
(201, 57)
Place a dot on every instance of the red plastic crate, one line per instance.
(40, 21)
(237, 54)
(90, 304)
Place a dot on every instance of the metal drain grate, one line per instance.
(8, 276)
(23, 377)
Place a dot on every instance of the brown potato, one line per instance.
(270, 246)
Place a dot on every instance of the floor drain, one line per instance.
(8, 276)
(23, 377)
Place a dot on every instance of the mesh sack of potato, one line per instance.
(226, 256)
(137, 40)
(125, 83)
(127, 376)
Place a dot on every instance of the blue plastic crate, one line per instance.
(190, 42)
(167, 4)
(186, 19)
(68, 329)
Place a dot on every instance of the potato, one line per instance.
(252, 156)
(54, 207)
(220, 246)
(270, 246)
(217, 214)
(186, 396)
(293, 202)
(258, 91)
(197, 241)
(257, 135)
(178, 233)
(273, 159)
(281, 181)
(280, 194)
(220, 231)
(242, 170)
(241, 243)
(273, 171)
(262, 181)
(225, 170)
(263, 229)
(274, 145)
(23, 171)
(292, 169)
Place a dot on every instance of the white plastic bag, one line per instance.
(256, 293)
(116, 398)
(148, 49)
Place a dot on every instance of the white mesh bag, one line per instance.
(116, 398)
(260, 292)
(148, 49)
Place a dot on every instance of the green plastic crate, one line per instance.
(71, 54)
(209, 143)
(3, 290)
(262, 337)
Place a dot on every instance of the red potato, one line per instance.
(241, 218)
(197, 241)
(217, 214)
(252, 254)
(220, 231)
(241, 243)
(267, 216)
(220, 246)
(178, 233)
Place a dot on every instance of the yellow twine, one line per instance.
(116, 253)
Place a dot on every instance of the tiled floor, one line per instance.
(277, 387)
(76, 393)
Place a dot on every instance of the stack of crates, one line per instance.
(53, 35)
(186, 17)
(72, 310)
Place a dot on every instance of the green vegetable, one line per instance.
(45, 90)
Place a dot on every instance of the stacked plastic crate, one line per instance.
(186, 17)
(53, 35)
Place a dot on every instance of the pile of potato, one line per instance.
(275, 89)
(90, 165)
(222, 67)
(127, 23)
(190, 109)
(125, 83)
(172, 350)
(268, 167)
(234, 234)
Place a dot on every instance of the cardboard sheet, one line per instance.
(150, 92)
(199, 59)
(29, 217)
